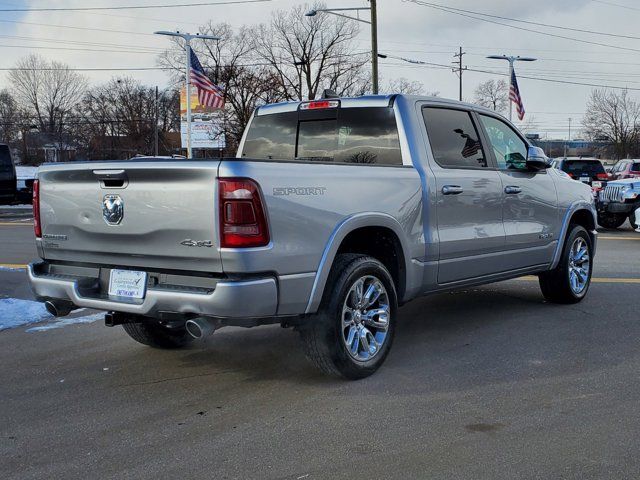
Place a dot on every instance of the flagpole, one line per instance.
(511, 59)
(187, 49)
(187, 37)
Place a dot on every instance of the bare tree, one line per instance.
(312, 53)
(10, 118)
(406, 86)
(493, 94)
(118, 119)
(615, 117)
(48, 91)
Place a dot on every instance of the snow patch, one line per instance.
(63, 322)
(15, 313)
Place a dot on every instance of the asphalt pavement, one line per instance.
(482, 383)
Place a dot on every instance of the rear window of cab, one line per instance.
(364, 135)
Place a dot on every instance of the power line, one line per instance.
(472, 15)
(616, 5)
(528, 22)
(129, 7)
(73, 27)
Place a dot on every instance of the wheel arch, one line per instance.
(350, 237)
(579, 213)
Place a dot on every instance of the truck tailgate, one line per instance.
(167, 219)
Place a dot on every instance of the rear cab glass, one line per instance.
(5, 160)
(355, 135)
(576, 168)
(635, 167)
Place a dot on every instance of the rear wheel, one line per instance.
(570, 280)
(611, 220)
(352, 332)
(155, 335)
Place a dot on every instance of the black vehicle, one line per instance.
(8, 183)
(586, 170)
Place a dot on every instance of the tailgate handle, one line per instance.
(112, 178)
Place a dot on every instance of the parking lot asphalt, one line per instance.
(489, 382)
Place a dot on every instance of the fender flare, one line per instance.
(340, 232)
(564, 231)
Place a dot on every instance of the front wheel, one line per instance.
(570, 280)
(352, 332)
(634, 218)
(611, 221)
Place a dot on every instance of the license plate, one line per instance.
(127, 283)
(585, 179)
(596, 184)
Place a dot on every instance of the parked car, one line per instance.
(587, 170)
(627, 168)
(333, 214)
(7, 176)
(618, 202)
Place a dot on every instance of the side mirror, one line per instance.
(536, 159)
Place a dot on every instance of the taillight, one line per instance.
(243, 222)
(602, 176)
(37, 227)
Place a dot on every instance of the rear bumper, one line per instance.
(227, 299)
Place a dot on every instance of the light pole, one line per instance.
(187, 37)
(374, 33)
(511, 59)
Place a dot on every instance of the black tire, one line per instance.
(633, 220)
(322, 335)
(556, 284)
(611, 220)
(154, 335)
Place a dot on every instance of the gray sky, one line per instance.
(405, 29)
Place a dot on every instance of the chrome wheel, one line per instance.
(365, 318)
(579, 265)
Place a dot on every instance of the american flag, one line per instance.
(514, 95)
(209, 95)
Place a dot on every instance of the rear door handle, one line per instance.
(452, 190)
(512, 189)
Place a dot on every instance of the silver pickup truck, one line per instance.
(334, 213)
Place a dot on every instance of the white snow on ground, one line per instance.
(15, 312)
(63, 322)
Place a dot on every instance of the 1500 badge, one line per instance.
(197, 243)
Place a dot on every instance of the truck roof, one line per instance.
(368, 101)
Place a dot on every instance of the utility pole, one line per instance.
(459, 69)
(566, 146)
(187, 37)
(155, 126)
(374, 46)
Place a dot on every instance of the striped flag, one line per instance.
(209, 95)
(514, 95)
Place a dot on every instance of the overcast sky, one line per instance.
(405, 29)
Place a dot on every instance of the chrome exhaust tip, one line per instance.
(59, 309)
(200, 327)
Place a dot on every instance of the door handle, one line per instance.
(452, 190)
(512, 189)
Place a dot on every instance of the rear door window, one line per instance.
(635, 167)
(354, 135)
(454, 139)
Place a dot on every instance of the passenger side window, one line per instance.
(454, 138)
(510, 150)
